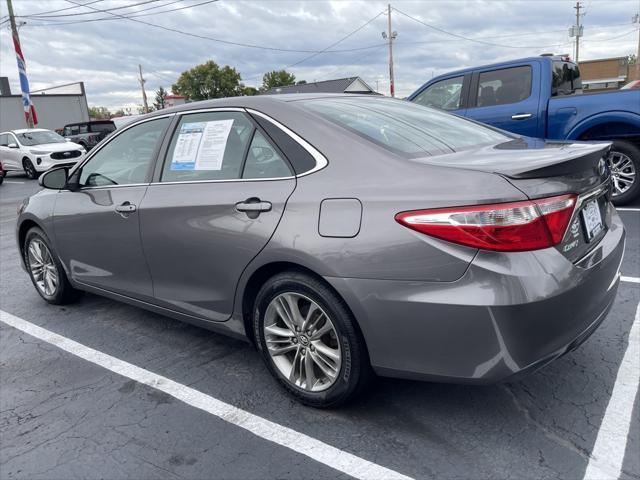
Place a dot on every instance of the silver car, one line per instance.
(343, 235)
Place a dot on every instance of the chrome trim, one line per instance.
(321, 160)
(580, 201)
(103, 187)
(225, 180)
(211, 109)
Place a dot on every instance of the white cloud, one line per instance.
(105, 55)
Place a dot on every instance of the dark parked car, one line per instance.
(88, 134)
(339, 233)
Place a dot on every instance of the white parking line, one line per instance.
(611, 443)
(630, 279)
(298, 442)
(628, 209)
(12, 181)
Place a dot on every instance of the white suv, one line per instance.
(36, 150)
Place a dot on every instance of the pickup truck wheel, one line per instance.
(625, 166)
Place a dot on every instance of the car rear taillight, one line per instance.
(505, 227)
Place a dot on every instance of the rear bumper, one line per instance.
(509, 314)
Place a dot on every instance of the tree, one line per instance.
(99, 113)
(249, 91)
(277, 78)
(209, 81)
(161, 95)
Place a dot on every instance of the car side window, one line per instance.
(445, 94)
(83, 129)
(501, 87)
(263, 160)
(208, 146)
(4, 140)
(127, 158)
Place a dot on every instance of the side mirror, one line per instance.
(55, 179)
(13, 145)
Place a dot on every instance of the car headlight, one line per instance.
(39, 152)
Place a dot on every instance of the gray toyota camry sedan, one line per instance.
(343, 235)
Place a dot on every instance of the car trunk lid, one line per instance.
(543, 169)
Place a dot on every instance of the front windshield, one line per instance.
(39, 137)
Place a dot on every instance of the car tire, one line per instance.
(63, 292)
(29, 169)
(353, 370)
(625, 158)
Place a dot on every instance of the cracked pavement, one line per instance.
(63, 417)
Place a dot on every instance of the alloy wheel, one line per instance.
(302, 342)
(29, 169)
(623, 172)
(42, 267)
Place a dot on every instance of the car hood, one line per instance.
(55, 147)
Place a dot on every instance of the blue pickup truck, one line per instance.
(542, 97)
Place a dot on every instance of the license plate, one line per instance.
(592, 219)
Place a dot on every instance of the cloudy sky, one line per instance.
(103, 50)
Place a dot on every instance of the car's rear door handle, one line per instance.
(521, 116)
(126, 207)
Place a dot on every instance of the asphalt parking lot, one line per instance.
(62, 416)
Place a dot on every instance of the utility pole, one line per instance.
(390, 36)
(578, 31)
(144, 94)
(29, 110)
(636, 19)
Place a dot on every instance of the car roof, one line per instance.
(256, 101)
(89, 122)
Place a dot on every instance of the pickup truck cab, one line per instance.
(88, 134)
(542, 97)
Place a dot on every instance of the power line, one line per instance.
(106, 10)
(137, 13)
(66, 8)
(335, 43)
(60, 22)
(226, 42)
(469, 39)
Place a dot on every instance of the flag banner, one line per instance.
(29, 109)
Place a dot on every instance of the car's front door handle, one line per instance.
(521, 116)
(253, 206)
(125, 208)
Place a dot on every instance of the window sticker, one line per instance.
(187, 146)
(201, 145)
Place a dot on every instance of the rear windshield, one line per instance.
(102, 127)
(566, 78)
(402, 127)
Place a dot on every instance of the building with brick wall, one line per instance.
(607, 73)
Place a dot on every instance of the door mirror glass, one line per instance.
(13, 145)
(55, 179)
